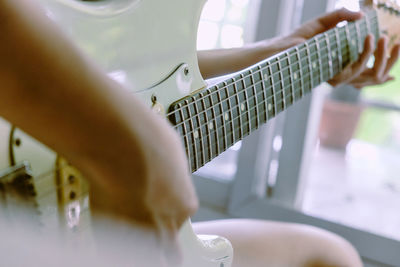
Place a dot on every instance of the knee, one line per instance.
(330, 250)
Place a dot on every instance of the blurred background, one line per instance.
(332, 160)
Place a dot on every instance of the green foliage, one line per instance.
(376, 125)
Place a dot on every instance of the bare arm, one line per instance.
(218, 62)
(223, 61)
(133, 159)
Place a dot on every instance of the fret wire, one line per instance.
(368, 25)
(193, 129)
(353, 32)
(273, 90)
(185, 132)
(291, 78)
(349, 42)
(221, 115)
(207, 126)
(334, 55)
(283, 94)
(264, 92)
(338, 44)
(200, 134)
(255, 96)
(307, 76)
(240, 107)
(230, 112)
(339, 49)
(187, 135)
(214, 118)
(309, 64)
(300, 70)
(319, 60)
(247, 100)
(358, 37)
(225, 145)
(328, 43)
(190, 129)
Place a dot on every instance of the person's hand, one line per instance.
(219, 62)
(356, 74)
(359, 75)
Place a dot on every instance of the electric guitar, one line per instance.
(150, 48)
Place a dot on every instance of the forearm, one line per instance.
(224, 61)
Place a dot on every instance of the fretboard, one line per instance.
(214, 119)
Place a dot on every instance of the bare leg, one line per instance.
(277, 244)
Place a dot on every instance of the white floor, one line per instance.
(359, 187)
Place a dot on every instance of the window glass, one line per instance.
(222, 26)
(353, 177)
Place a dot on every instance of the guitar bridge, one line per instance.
(16, 182)
(18, 194)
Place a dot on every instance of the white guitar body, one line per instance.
(149, 46)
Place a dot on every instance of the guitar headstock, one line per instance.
(388, 12)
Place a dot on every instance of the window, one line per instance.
(223, 25)
(354, 172)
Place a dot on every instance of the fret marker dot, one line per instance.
(269, 106)
(211, 126)
(265, 77)
(295, 76)
(226, 116)
(353, 42)
(242, 107)
(333, 54)
(314, 65)
(196, 134)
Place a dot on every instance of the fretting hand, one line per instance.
(356, 74)
(224, 61)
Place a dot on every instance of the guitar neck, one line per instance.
(214, 119)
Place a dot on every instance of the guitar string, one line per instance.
(311, 44)
(234, 81)
(231, 125)
(287, 57)
(258, 72)
(199, 118)
(259, 94)
(237, 128)
(267, 66)
(307, 76)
